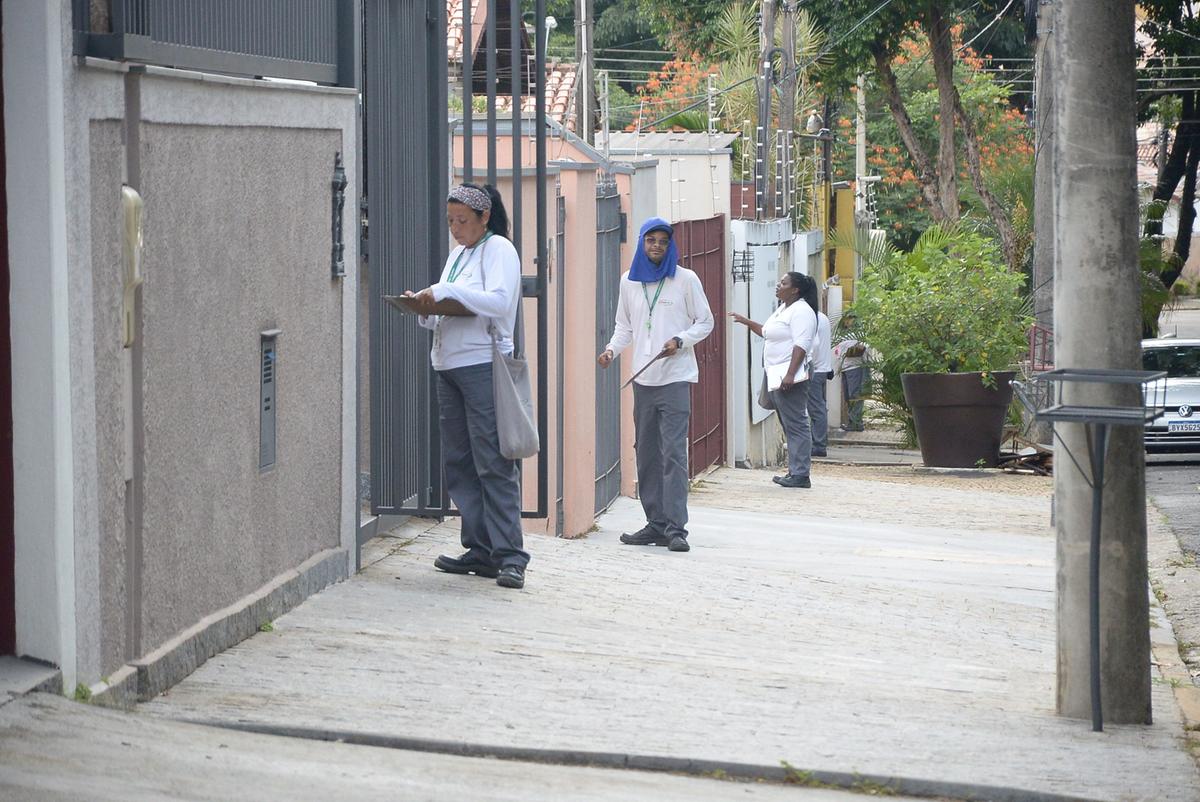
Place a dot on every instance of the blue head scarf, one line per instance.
(642, 268)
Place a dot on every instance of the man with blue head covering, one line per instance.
(661, 314)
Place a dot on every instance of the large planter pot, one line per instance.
(959, 420)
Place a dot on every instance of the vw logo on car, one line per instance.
(1185, 411)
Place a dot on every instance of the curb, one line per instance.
(783, 774)
(149, 675)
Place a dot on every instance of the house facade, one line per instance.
(182, 329)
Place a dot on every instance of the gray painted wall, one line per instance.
(236, 179)
(107, 154)
(237, 242)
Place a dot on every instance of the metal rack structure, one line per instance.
(1043, 395)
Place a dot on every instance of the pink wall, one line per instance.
(578, 184)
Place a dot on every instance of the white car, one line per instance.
(1179, 427)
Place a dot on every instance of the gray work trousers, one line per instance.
(482, 483)
(852, 385)
(818, 411)
(792, 406)
(660, 423)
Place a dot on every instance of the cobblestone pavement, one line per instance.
(54, 749)
(882, 623)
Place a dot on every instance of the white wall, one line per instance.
(36, 46)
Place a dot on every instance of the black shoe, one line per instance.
(678, 543)
(468, 563)
(779, 479)
(793, 481)
(644, 537)
(820, 453)
(511, 576)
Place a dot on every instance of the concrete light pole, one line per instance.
(762, 167)
(1098, 325)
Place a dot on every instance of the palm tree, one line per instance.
(737, 47)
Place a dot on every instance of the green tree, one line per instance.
(687, 25)
(1167, 81)
(1006, 147)
(868, 37)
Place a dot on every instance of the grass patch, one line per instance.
(82, 693)
(266, 626)
(861, 785)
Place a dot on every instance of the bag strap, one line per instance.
(519, 323)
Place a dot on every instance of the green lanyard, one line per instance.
(654, 303)
(456, 271)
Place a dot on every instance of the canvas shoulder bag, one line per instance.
(511, 387)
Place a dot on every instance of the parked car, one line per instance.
(1179, 427)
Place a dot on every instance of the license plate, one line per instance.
(1183, 426)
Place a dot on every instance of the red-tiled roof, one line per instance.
(454, 27)
(560, 95)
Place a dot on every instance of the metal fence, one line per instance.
(702, 249)
(309, 40)
(405, 130)
(608, 382)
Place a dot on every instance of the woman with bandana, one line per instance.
(477, 295)
(661, 312)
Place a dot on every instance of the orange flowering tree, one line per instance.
(678, 84)
(1003, 138)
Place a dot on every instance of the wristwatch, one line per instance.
(678, 342)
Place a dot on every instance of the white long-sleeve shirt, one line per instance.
(462, 341)
(822, 358)
(681, 311)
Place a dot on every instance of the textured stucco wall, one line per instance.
(235, 175)
(107, 153)
(237, 242)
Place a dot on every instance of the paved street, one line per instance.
(885, 625)
(885, 629)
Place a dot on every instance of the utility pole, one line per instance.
(605, 120)
(860, 150)
(787, 108)
(585, 77)
(1097, 316)
(861, 187)
(1045, 110)
(766, 41)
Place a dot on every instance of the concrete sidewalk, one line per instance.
(883, 624)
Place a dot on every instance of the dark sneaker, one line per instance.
(793, 481)
(511, 576)
(644, 537)
(820, 453)
(779, 479)
(468, 563)
(679, 543)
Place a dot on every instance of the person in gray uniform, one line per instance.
(477, 296)
(661, 314)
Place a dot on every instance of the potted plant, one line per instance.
(947, 322)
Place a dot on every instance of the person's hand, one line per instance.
(605, 359)
(745, 321)
(671, 346)
(789, 380)
(423, 301)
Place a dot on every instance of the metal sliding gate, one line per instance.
(608, 382)
(702, 248)
(406, 130)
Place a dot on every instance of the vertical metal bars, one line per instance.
(516, 62)
(608, 382)
(543, 333)
(303, 39)
(493, 45)
(407, 155)
(468, 79)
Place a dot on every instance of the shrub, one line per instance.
(948, 305)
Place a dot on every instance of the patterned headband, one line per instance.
(476, 199)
